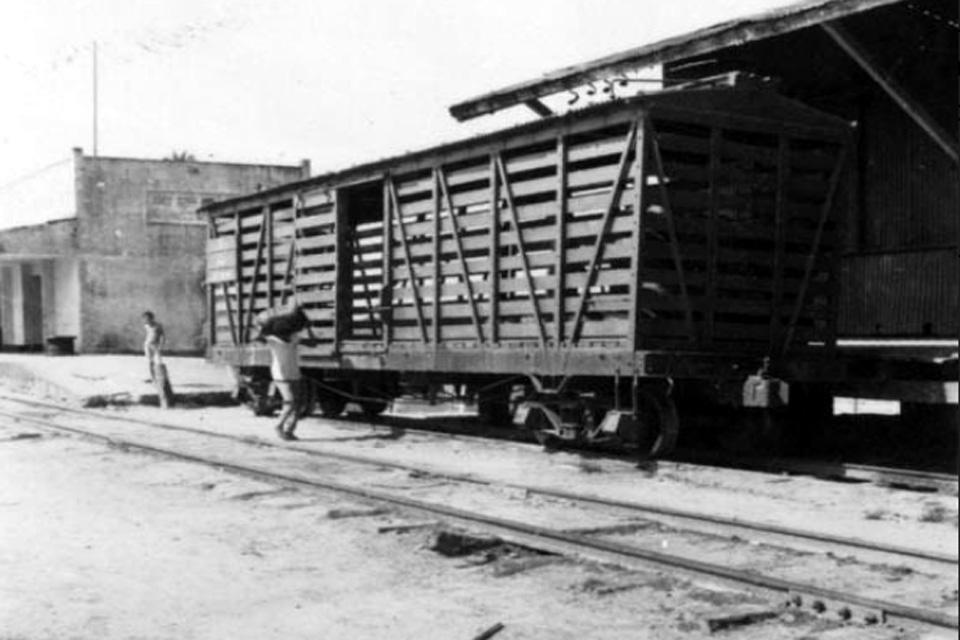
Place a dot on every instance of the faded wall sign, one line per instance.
(179, 206)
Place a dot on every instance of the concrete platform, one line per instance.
(98, 380)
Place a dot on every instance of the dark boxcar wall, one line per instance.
(899, 276)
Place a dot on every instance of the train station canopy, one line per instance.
(726, 34)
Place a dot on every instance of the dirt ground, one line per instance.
(105, 544)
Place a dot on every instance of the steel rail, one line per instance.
(887, 610)
(756, 527)
(928, 480)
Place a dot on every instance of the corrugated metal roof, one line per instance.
(726, 34)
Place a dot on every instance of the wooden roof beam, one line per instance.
(539, 108)
(893, 89)
(728, 34)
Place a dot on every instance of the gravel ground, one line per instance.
(100, 543)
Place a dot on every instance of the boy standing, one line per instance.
(153, 344)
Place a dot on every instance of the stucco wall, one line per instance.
(120, 199)
(141, 245)
(66, 295)
(9, 288)
(116, 291)
(49, 239)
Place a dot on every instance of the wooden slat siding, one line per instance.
(799, 230)
(511, 207)
(212, 306)
(575, 259)
(611, 331)
(544, 235)
(318, 296)
(604, 278)
(460, 312)
(234, 332)
(494, 333)
(578, 152)
(532, 213)
(499, 143)
(386, 291)
(815, 249)
(279, 270)
(807, 159)
(452, 216)
(317, 260)
(641, 144)
(310, 244)
(312, 219)
(780, 215)
(665, 201)
(364, 280)
(619, 178)
(736, 121)
(249, 256)
(316, 278)
(288, 271)
(249, 226)
(343, 289)
(238, 279)
(395, 216)
(316, 198)
(713, 238)
(694, 202)
(221, 259)
(659, 250)
(255, 276)
(271, 254)
(561, 240)
(598, 177)
(435, 317)
(760, 308)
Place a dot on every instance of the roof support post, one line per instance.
(897, 93)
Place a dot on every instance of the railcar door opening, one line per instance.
(360, 261)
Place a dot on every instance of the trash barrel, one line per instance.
(60, 345)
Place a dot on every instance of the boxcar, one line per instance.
(594, 268)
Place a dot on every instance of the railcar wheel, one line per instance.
(258, 395)
(308, 399)
(657, 426)
(261, 406)
(331, 405)
(538, 423)
(373, 408)
(495, 412)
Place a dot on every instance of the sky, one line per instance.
(337, 82)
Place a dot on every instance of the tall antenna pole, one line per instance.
(95, 99)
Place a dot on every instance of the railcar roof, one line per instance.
(759, 105)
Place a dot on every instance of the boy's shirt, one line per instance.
(154, 334)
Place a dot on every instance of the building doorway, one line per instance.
(32, 310)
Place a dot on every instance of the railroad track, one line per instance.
(846, 471)
(894, 477)
(622, 531)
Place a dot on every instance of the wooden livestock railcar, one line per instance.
(607, 261)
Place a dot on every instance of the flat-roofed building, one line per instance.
(88, 244)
